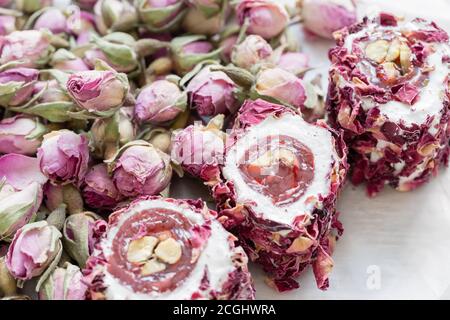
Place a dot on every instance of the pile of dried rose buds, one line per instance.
(102, 102)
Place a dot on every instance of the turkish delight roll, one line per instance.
(389, 91)
(159, 248)
(277, 191)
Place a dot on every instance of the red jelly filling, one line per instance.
(280, 167)
(155, 222)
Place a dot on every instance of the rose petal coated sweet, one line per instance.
(389, 91)
(162, 248)
(277, 192)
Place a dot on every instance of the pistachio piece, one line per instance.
(405, 57)
(300, 244)
(152, 266)
(377, 50)
(169, 251)
(141, 249)
(390, 71)
(393, 51)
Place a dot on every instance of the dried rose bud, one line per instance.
(7, 24)
(188, 51)
(21, 192)
(281, 85)
(81, 232)
(28, 48)
(30, 6)
(67, 194)
(159, 138)
(116, 49)
(5, 3)
(98, 189)
(63, 156)
(86, 4)
(294, 62)
(265, 18)
(16, 86)
(140, 169)
(212, 92)
(50, 91)
(20, 134)
(251, 53)
(200, 149)
(51, 18)
(109, 134)
(34, 247)
(8, 285)
(208, 8)
(65, 60)
(99, 92)
(64, 284)
(114, 15)
(323, 17)
(160, 15)
(227, 46)
(160, 102)
(198, 23)
(81, 25)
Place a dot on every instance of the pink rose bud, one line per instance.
(17, 85)
(294, 62)
(160, 15)
(265, 18)
(7, 25)
(81, 232)
(65, 60)
(200, 149)
(81, 24)
(49, 91)
(197, 22)
(114, 15)
(227, 46)
(29, 47)
(86, 4)
(251, 53)
(21, 192)
(141, 169)
(63, 156)
(98, 92)
(212, 92)
(20, 134)
(188, 51)
(281, 85)
(99, 191)
(323, 17)
(30, 6)
(209, 8)
(5, 3)
(64, 284)
(160, 102)
(109, 134)
(52, 19)
(67, 194)
(34, 247)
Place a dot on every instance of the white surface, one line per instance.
(397, 245)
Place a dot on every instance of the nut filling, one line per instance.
(280, 167)
(153, 251)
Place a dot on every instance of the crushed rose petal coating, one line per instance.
(389, 91)
(162, 248)
(278, 188)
